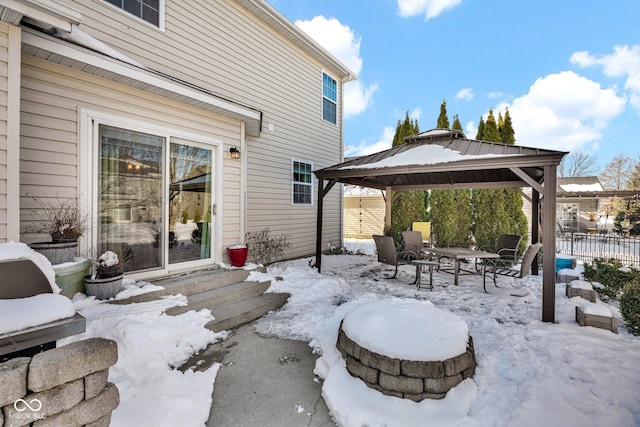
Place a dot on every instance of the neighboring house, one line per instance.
(178, 125)
(580, 214)
(586, 212)
(363, 212)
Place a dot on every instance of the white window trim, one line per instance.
(312, 184)
(161, 11)
(88, 180)
(322, 97)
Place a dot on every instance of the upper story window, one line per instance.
(329, 99)
(147, 10)
(302, 183)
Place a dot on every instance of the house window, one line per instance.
(147, 10)
(329, 99)
(302, 183)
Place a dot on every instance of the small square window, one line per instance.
(302, 183)
(329, 99)
(147, 10)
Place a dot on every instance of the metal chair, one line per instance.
(412, 242)
(507, 247)
(525, 267)
(388, 254)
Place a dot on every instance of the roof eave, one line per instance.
(77, 57)
(498, 162)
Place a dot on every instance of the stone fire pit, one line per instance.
(406, 348)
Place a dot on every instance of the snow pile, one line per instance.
(17, 314)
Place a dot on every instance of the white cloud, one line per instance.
(416, 113)
(465, 94)
(495, 95)
(363, 148)
(357, 97)
(430, 8)
(342, 43)
(563, 111)
(623, 62)
(470, 130)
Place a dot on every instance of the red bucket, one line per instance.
(238, 256)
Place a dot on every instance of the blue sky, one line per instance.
(569, 71)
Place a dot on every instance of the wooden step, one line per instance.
(220, 296)
(233, 315)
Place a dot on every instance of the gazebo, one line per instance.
(445, 159)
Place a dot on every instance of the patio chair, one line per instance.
(412, 241)
(425, 229)
(507, 247)
(22, 279)
(388, 254)
(525, 267)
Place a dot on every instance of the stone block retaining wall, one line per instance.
(66, 386)
(415, 380)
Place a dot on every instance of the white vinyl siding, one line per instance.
(53, 97)
(222, 47)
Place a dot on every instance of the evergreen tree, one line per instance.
(498, 211)
(480, 133)
(456, 123)
(407, 206)
(490, 131)
(507, 134)
(443, 120)
(450, 209)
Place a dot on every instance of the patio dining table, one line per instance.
(458, 254)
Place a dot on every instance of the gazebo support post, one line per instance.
(549, 236)
(321, 193)
(319, 226)
(535, 225)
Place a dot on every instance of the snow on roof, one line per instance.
(426, 154)
(574, 188)
(356, 190)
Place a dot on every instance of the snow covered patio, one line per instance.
(528, 373)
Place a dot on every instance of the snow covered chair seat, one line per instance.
(32, 316)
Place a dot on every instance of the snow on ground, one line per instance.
(529, 373)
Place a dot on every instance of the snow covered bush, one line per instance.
(630, 306)
(611, 274)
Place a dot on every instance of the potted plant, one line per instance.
(65, 222)
(238, 255)
(106, 279)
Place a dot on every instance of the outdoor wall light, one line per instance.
(234, 153)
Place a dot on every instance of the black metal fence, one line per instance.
(587, 246)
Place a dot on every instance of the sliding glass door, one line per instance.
(189, 202)
(138, 173)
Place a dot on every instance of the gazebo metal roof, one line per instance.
(444, 159)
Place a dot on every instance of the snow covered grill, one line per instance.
(32, 316)
(406, 348)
